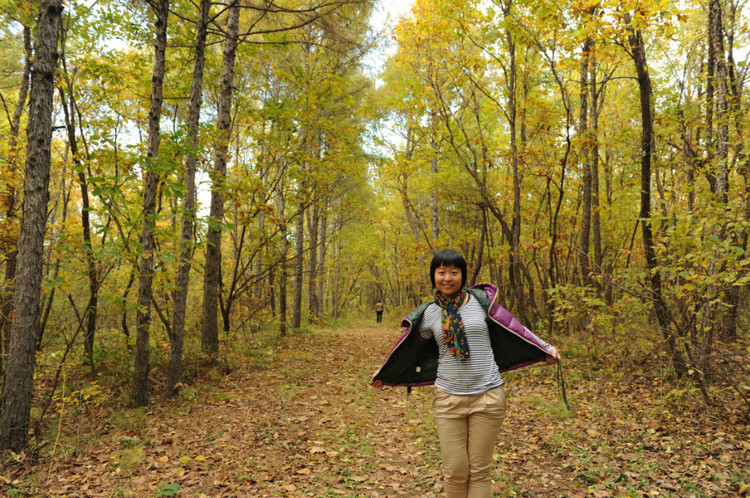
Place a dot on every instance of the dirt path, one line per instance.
(300, 420)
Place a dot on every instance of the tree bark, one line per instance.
(312, 280)
(148, 243)
(15, 404)
(322, 250)
(516, 281)
(11, 199)
(284, 263)
(212, 273)
(594, 139)
(638, 53)
(435, 199)
(174, 371)
(585, 159)
(299, 245)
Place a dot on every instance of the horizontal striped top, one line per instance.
(474, 375)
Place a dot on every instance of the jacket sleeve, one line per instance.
(413, 360)
(514, 345)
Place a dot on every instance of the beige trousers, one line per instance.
(467, 427)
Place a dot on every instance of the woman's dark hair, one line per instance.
(448, 257)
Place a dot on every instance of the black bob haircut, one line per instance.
(448, 257)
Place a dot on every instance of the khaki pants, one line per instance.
(467, 427)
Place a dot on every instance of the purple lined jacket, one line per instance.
(413, 360)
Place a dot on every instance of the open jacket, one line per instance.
(413, 360)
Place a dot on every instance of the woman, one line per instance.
(461, 342)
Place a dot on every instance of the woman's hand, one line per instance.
(553, 356)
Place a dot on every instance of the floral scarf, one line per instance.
(454, 333)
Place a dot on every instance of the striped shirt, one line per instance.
(476, 374)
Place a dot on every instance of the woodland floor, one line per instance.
(298, 419)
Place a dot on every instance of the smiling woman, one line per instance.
(448, 273)
(461, 342)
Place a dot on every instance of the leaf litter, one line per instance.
(302, 421)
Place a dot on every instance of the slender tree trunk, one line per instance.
(258, 261)
(647, 150)
(514, 273)
(322, 248)
(65, 193)
(719, 168)
(284, 264)
(148, 243)
(15, 404)
(299, 245)
(594, 138)
(69, 111)
(11, 200)
(125, 294)
(337, 267)
(174, 371)
(716, 40)
(435, 200)
(212, 273)
(312, 280)
(585, 157)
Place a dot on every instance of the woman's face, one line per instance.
(448, 280)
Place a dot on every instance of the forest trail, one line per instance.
(299, 419)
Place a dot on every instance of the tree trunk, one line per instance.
(148, 243)
(15, 404)
(258, 261)
(638, 49)
(322, 239)
(585, 158)
(516, 281)
(720, 166)
(65, 193)
(312, 280)
(69, 111)
(335, 308)
(299, 245)
(284, 264)
(212, 273)
(174, 371)
(11, 200)
(594, 140)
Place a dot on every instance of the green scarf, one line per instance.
(454, 333)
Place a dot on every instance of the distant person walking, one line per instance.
(460, 342)
(379, 311)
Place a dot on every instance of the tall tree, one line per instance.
(150, 184)
(11, 200)
(70, 111)
(15, 404)
(585, 159)
(638, 53)
(212, 272)
(174, 372)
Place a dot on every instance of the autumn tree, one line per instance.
(15, 404)
(151, 165)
